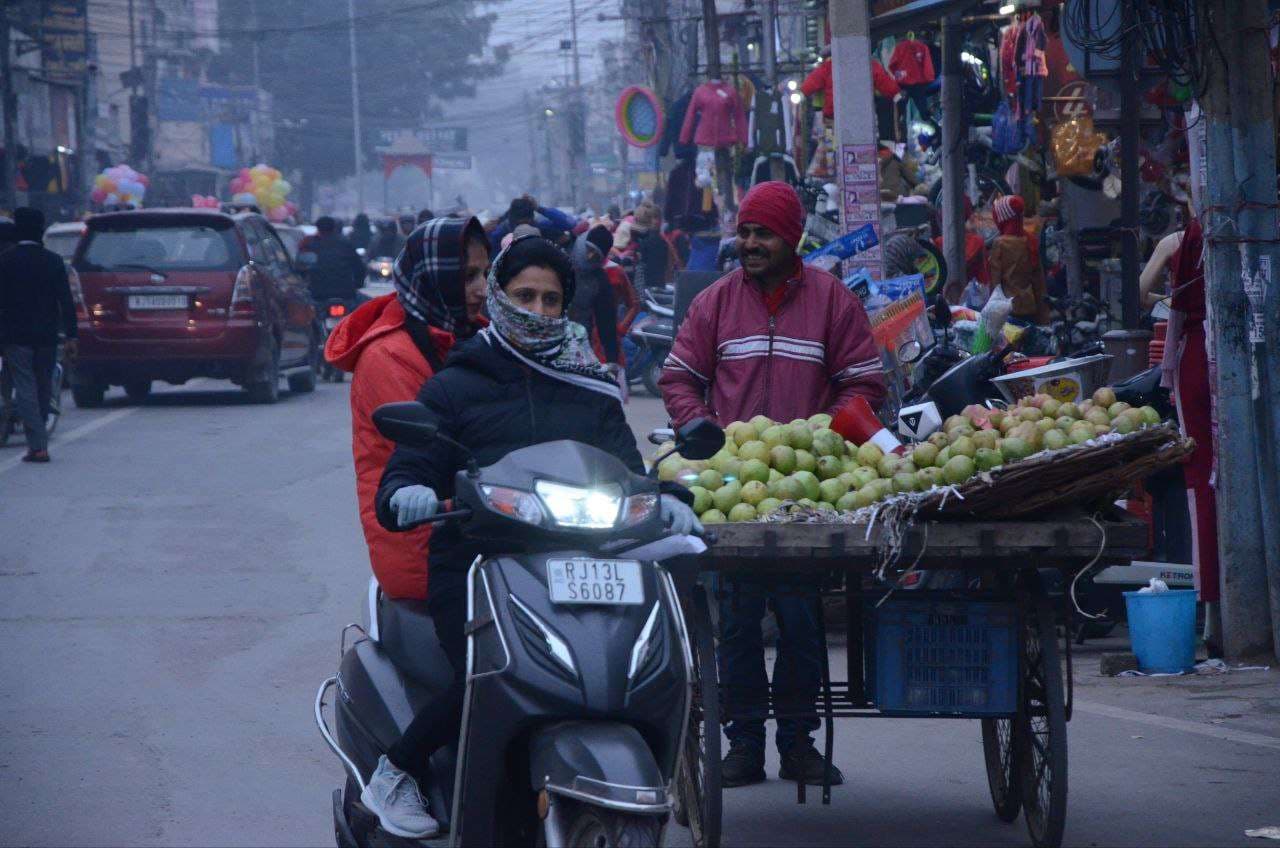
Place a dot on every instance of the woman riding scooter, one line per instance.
(527, 379)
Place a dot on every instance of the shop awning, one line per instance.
(890, 17)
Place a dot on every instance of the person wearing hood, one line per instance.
(361, 232)
(528, 378)
(1013, 263)
(594, 305)
(392, 345)
(35, 305)
(653, 254)
(387, 242)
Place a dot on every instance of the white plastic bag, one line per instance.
(1153, 586)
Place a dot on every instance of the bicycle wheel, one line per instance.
(1040, 729)
(1002, 778)
(698, 801)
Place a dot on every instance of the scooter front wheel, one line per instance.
(588, 825)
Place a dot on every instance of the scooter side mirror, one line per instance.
(701, 438)
(909, 351)
(406, 423)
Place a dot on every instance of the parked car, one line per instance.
(292, 235)
(173, 294)
(63, 238)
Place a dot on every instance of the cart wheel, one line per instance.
(698, 779)
(1040, 729)
(997, 746)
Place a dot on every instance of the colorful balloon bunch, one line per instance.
(266, 187)
(205, 201)
(119, 184)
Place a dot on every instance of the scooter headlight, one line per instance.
(596, 508)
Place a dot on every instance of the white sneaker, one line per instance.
(393, 796)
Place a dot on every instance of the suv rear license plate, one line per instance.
(157, 301)
(595, 581)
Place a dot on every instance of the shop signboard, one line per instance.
(62, 29)
(424, 140)
(451, 161)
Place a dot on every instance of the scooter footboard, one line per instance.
(603, 763)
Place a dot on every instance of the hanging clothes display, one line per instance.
(912, 68)
(670, 142)
(819, 83)
(684, 198)
(1033, 67)
(1009, 58)
(768, 129)
(715, 117)
(885, 88)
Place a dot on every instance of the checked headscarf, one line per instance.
(428, 273)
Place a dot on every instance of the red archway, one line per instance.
(391, 161)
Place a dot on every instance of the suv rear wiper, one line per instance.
(139, 266)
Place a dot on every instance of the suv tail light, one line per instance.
(77, 293)
(337, 310)
(242, 293)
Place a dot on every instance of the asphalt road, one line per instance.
(172, 589)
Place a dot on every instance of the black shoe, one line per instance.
(803, 762)
(742, 766)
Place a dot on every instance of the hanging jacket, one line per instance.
(670, 142)
(911, 63)
(1009, 57)
(882, 82)
(819, 82)
(492, 404)
(717, 113)
(374, 345)
(735, 358)
(1032, 40)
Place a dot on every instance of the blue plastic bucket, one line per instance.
(1162, 629)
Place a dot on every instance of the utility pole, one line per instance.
(953, 167)
(576, 116)
(724, 162)
(1254, 151)
(769, 19)
(9, 103)
(535, 184)
(855, 116)
(1130, 115)
(1246, 622)
(88, 141)
(355, 106)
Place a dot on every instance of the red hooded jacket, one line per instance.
(736, 357)
(386, 366)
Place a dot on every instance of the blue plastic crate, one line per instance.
(941, 656)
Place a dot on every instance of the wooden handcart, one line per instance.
(1022, 566)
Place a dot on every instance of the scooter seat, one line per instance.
(408, 635)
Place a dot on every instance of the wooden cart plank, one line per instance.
(1061, 541)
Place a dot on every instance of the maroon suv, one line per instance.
(172, 294)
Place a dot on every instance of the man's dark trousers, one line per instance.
(797, 671)
(30, 372)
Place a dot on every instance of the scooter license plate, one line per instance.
(595, 581)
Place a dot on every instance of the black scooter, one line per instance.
(578, 660)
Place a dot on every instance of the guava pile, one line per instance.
(765, 464)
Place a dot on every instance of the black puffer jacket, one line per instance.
(490, 402)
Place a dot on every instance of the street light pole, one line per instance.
(769, 20)
(576, 117)
(355, 105)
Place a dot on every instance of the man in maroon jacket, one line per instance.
(785, 340)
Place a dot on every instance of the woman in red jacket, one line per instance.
(392, 345)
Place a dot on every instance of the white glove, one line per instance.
(678, 516)
(412, 504)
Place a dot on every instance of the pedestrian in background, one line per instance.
(35, 304)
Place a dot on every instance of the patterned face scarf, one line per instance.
(428, 273)
(556, 347)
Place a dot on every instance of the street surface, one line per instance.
(172, 589)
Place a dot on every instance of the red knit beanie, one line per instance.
(775, 206)
(1007, 208)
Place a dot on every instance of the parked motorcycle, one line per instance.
(578, 661)
(649, 341)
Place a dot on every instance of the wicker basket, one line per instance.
(1071, 476)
